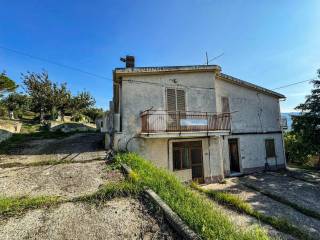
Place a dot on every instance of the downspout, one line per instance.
(282, 138)
(209, 155)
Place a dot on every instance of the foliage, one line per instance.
(39, 87)
(18, 103)
(81, 102)
(234, 202)
(10, 206)
(93, 113)
(6, 84)
(196, 210)
(307, 125)
(297, 150)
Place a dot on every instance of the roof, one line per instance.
(249, 85)
(166, 69)
(118, 72)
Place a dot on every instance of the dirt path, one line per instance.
(69, 168)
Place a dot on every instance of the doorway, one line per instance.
(188, 155)
(234, 155)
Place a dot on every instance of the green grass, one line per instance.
(304, 210)
(110, 191)
(236, 203)
(10, 206)
(195, 209)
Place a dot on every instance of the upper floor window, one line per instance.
(176, 100)
(225, 104)
(270, 148)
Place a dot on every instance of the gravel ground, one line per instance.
(122, 218)
(300, 192)
(66, 180)
(269, 206)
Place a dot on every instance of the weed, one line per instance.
(111, 190)
(196, 210)
(10, 206)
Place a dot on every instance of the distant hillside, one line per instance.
(288, 117)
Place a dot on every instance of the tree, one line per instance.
(82, 102)
(18, 103)
(39, 87)
(94, 113)
(62, 99)
(307, 125)
(6, 84)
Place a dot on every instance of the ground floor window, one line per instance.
(184, 152)
(270, 149)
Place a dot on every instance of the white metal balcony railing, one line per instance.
(154, 121)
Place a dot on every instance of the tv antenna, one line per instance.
(210, 60)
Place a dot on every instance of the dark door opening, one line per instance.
(234, 155)
(188, 155)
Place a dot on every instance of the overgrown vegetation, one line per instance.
(10, 206)
(236, 203)
(196, 210)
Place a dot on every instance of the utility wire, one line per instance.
(54, 63)
(289, 85)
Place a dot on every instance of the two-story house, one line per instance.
(196, 121)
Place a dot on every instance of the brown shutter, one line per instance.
(171, 100)
(270, 149)
(181, 101)
(225, 104)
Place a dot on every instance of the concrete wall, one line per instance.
(252, 152)
(253, 111)
(138, 96)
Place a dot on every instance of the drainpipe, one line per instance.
(209, 155)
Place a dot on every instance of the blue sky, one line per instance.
(269, 43)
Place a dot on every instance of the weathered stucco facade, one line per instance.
(197, 137)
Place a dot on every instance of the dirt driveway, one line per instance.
(71, 167)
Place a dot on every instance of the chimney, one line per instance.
(129, 60)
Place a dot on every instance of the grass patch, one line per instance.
(110, 191)
(195, 209)
(10, 206)
(236, 203)
(305, 211)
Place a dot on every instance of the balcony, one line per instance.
(159, 122)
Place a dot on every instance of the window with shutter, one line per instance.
(181, 101)
(270, 148)
(225, 104)
(176, 100)
(171, 100)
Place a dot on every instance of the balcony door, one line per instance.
(176, 107)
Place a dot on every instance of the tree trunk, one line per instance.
(11, 115)
(41, 115)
